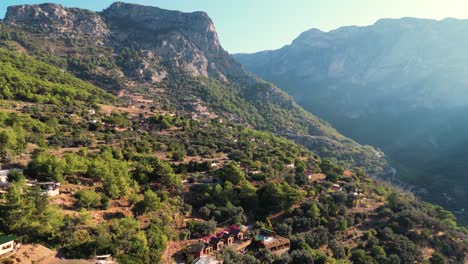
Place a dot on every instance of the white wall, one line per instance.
(7, 247)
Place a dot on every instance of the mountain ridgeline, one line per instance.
(140, 48)
(400, 84)
(131, 132)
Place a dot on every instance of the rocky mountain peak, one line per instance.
(58, 19)
(187, 42)
(197, 25)
(26, 13)
(176, 41)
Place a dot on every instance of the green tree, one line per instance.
(150, 203)
(163, 173)
(15, 176)
(88, 199)
(232, 173)
(157, 242)
(46, 167)
(437, 258)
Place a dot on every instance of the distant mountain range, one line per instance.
(400, 84)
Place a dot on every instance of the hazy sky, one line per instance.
(254, 25)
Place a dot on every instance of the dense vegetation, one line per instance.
(258, 106)
(139, 180)
(255, 180)
(25, 79)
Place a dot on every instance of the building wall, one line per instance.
(52, 193)
(7, 247)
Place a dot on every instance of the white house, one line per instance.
(4, 178)
(50, 189)
(4, 175)
(7, 244)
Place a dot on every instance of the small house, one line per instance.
(7, 244)
(336, 188)
(50, 189)
(236, 232)
(227, 238)
(4, 176)
(268, 239)
(208, 249)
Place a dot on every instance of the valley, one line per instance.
(399, 85)
(131, 136)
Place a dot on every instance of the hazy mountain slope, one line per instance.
(143, 49)
(399, 84)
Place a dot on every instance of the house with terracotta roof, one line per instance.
(232, 236)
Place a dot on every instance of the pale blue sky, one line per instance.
(254, 25)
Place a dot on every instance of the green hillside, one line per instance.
(242, 97)
(150, 177)
(26, 79)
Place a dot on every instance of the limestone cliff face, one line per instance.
(58, 19)
(176, 41)
(187, 42)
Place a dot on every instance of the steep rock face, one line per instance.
(56, 18)
(183, 41)
(196, 26)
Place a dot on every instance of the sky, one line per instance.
(255, 25)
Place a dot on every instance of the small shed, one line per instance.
(7, 244)
(4, 176)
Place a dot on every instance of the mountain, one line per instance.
(153, 174)
(400, 85)
(146, 49)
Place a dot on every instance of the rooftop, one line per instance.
(206, 260)
(6, 239)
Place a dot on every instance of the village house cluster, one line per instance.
(241, 240)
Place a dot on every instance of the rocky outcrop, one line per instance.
(197, 26)
(178, 41)
(58, 19)
(187, 42)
